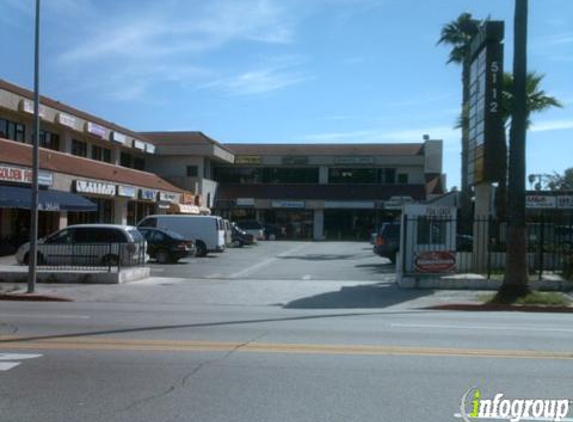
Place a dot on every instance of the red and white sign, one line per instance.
(20, 175)
(435, 262)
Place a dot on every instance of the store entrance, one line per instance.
(298, 224)
(349, 224)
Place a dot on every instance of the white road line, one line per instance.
(482, 327)
(5, 357)
(266, 262)
(45, 316)
(306, 277)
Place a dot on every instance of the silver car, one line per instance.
(89, 245)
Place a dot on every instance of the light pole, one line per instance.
(32, 256)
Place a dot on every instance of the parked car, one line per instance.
(166, 246)
(273, 232)
(241, 237)
(208, 232)
(89, 245)
(388, 240)
(253, 227)
(228, 225)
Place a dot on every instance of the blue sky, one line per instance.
(327, 71)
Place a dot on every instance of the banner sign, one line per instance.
(288, 204)
(120, 138)
(66, 120)
(147, 194)
(435, 262)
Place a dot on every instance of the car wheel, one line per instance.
(39, 259)
(162, 256)
(110, 260)
(237, 244)
(201, 249)
(272, 236)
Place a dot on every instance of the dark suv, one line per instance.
(388, 240)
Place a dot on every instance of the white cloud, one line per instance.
(551, 125)
(259, 81)
(446, 133)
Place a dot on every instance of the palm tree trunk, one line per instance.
(465, 194)
(516, 272)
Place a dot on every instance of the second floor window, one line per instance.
(49, 140)
(101, 154)
(12, 130)
(79, 148)
(192, 171)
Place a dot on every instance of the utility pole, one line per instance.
(516, 272)
(32, 256)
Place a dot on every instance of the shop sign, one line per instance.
(147, 194)
(120, 138)
(364, 205)
(95, 129)
(435, 262)
(150, 148)
(126, 191)
(353, 160)
(248, 159)
(168, 197)
(565, 202)
(294, 160)
(188, 198)
(66, 120)
(287, 204)
(245, 202)
(28, 107)
(138, 145)
(19, 175)
(96, 188)
(396, 202)
(540, 201)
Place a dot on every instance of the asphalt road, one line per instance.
(278, 332)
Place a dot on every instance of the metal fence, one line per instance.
(480, 245)
(99, 257)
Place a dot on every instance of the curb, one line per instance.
(494, 307)
(33, 297)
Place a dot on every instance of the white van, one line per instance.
(208, 232)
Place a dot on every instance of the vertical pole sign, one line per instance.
(485, 114)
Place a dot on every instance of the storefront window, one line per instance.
(136, 211)
(353, 175)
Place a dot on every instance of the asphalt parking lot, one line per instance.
(284, 260)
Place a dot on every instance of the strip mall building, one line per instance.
(93, 170)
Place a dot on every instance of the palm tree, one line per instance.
(536, 101)
(459, 35)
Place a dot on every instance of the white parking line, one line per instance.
(266, 262)
(7, 360)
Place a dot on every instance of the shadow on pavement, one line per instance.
(379, 295)
(319, 257)
(384, 268)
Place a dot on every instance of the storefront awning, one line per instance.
(183, 209)
(48, 200)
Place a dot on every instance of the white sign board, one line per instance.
(96, 188)
(540, 202)
(245, 202)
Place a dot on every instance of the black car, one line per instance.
(273, 232)
(165, 245)
(388, 240)
(241, 237)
